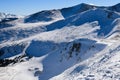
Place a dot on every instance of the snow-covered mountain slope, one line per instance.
(7, 20)
(49, 15)
(4, 15)
(43, 16)
(67, 12)
(8, 17)
(115, 8)
(75, 43)
(103, 66)
(104, 19)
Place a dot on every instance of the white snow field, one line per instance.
(76, 43)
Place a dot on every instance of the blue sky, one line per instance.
(25, 7)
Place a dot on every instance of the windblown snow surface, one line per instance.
(76, 43)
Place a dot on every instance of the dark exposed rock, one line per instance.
(37, 73)
(75, 48)
(6, 62)
(110, 14)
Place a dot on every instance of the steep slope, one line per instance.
(114, 34)
(48, 15)
(70, 33)
(44, 16)
(115, 8)
(105, 65)
(67, 12)
(104, 19)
